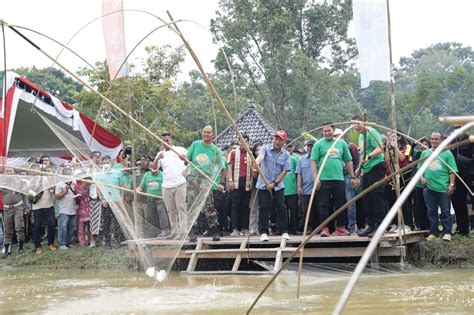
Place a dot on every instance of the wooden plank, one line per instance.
(194, 257)
(279, 255)
(238, 259)
(240, 250)
(227, 272)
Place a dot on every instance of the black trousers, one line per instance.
(313, 216)
(40, 215)
(240, 206)
(360, 214)
(374, 204)
(332, 195)
(420, 211)
(269, 203)
(407, 208)
(292, 206)
(459, 200)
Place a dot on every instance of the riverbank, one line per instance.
(459, 253)
(73, 258)
(435, 254)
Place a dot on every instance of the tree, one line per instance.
(52, 80)
(278, 48)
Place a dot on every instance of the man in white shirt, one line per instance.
(174, 183)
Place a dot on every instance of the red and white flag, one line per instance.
(114, 37)
(371, 32)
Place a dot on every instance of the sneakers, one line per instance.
(366, 232)
(432, 237)
(264, 237)
(324, 232)
(392, 228)
(38, 251)
(92, 244)
(447, 237)
(342, 231)
(406, 227)
(52, 248)
(235, 233)
(285, 236)
(63, 247)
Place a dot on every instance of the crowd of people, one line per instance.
(257, 189)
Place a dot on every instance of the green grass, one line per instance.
(73, 258)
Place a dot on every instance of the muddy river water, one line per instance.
(439, 291)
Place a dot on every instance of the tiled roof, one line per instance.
(250, 123)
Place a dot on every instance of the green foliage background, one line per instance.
(292, 57)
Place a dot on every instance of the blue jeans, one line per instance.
(67, 228)
(351, 210)
(433, 200)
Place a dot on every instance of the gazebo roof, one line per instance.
(250, 123)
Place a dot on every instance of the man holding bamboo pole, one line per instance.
(372, 169)
(331, 184)
(274, 161)
(209, 159)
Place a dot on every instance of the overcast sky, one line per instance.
(415, 24)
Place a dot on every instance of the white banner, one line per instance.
(371, 32)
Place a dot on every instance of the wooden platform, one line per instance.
(275, 250)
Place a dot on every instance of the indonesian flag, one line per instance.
(371, 32)
(114, 37)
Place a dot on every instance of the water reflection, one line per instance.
(66, 292)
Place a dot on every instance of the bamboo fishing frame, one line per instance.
(216, 95)
(337, 212)
(391, 213)
(108, 101)
(310, 204)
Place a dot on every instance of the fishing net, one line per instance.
(141, 219)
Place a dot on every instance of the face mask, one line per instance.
(106, 167)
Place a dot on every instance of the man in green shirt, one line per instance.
(372, 169)
(151, 184)
(331, 184)
(291, 192)
(209, 159)
(438, 186)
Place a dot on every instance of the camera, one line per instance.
(127, 151)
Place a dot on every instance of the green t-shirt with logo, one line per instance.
(373, 140)
(437, 173)
(151, 183)
(337, 156)
(290, 178)
(208, 159)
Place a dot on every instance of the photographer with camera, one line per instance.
(64, 193)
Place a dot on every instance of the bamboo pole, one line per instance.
(418, 142)
(310, 204)
(108, 101)
(67, 177)
(333, 216)
(216, 95)
(378, 234)
(394, 126)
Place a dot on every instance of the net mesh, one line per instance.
(140, 219)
